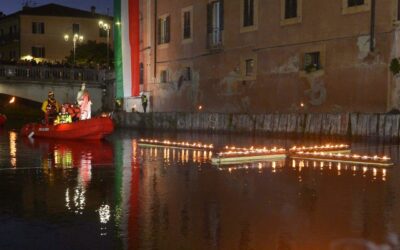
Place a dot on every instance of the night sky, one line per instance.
(11, 6)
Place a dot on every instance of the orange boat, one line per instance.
(91, 129)
(3, 119)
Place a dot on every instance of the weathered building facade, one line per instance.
(262, 56)
(39, 32)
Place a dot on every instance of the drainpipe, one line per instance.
(155, 39)
(372, 27)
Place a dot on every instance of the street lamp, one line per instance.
(76, 38)
(106, 27)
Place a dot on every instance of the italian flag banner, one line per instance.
(126, 47)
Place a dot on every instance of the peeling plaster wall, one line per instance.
(351, 79)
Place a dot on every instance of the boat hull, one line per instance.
(92, 129)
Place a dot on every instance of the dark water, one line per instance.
(117, 195)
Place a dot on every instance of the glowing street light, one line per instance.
(76, 38)
(12, 100)
(107, 27)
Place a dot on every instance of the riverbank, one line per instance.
(341, 124)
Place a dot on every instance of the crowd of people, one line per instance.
(55, 113)
(48, 64)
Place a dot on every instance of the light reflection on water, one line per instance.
(119, 195)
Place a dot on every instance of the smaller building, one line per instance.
(39, 32)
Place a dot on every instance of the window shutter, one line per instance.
(34, 28)
(221, 14)
(159, 31)
(42, 26)
(398, 9)
(167, 29)
(209, 18)
(251, 14)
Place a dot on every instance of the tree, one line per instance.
(91, 53)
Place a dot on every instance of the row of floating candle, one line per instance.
(234, 155)
(167, 143)
(242, 155)
(322, 148)
(344, 158)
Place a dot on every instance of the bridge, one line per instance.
(34, 82)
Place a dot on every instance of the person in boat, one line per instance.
(63, 116)
(84, 102)
(74, 111)
(50, 107)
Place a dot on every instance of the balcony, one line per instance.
(214, 39)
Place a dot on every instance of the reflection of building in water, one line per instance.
(127, 192)
(301, 205)
(13, 148)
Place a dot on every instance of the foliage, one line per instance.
(395, 66)
(311, 68)
(91, 53)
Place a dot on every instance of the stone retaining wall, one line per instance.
(345, 124)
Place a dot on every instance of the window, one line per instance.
(248, 13)
(13, 55)
(398, 10)
(141, 74)
(75, 28)
(291, 12)
(249, 67)
(163, 76)
(1, 32)
(187, 74)
(38, 52)
(164, 30)
(355, 6)
(187, 24)
(352, 3)
(37, 28)
(290, 9)
(13, 29)
(215, 23)
(312, 61)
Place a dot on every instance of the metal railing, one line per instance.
(51, 74)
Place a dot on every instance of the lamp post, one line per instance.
(106, 27)
(76, 38)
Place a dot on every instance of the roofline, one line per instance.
(20, 13)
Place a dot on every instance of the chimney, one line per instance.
(93, 9)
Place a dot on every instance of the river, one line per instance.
(115, 194)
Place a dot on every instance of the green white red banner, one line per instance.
(126, 47)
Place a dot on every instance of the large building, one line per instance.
(39, 32)
(269, 56)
